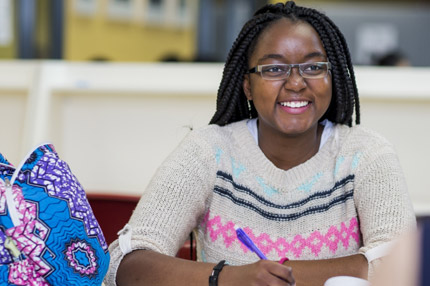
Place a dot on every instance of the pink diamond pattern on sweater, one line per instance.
(335, 237)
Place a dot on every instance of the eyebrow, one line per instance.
(278, 56)
(315, 55)
(270, 56)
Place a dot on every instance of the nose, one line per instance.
(295, 81)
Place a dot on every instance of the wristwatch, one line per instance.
(213, 279)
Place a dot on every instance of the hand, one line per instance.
(261, 273)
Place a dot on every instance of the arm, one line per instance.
(316, 272)
(145, 267)
(382, 201)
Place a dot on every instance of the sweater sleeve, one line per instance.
(382, 201)
(172, 204)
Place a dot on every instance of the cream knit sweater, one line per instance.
(349, 198)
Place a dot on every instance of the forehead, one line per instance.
(293, 41)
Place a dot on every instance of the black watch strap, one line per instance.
(213, 279)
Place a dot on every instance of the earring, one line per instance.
(249, 109)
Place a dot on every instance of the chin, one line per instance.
(297, 129)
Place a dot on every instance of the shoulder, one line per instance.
(360, 138)
(368, 149)
(215, 134)
(209, 138)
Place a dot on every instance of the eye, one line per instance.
(314, 68)
(274, 69)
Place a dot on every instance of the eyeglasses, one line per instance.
(283, 71)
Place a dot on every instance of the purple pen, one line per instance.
(247, 241)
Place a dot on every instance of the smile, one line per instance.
(294, 104)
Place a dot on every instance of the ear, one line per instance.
(247, 86)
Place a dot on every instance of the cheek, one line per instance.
(325, 90)
(322, 90)
(265, 88)
(329, 92)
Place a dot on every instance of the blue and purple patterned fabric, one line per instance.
(48, 232)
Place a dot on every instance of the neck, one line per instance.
(287, 152)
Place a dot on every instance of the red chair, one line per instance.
(185, 252)
(113, 212)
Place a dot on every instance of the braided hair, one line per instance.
(232, 104)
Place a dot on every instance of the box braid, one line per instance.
(231, 100)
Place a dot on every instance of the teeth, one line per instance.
(294, 104)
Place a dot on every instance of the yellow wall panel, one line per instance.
(98, 36)
(8, 52)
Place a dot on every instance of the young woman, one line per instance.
(283, 160)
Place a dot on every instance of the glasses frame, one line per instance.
(259, 69)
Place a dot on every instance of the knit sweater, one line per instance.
(349, 198)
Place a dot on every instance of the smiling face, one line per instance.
(294, 105)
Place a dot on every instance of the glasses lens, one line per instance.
(314, 70)
(275, 71)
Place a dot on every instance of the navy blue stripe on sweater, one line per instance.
(317, 195)
(285, 217)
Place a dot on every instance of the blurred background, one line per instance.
(194, 30)
(116, 84)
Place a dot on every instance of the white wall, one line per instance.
(115, 123)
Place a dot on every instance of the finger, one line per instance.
(272, 280)
(283, 272)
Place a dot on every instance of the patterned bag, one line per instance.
(48, 232)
